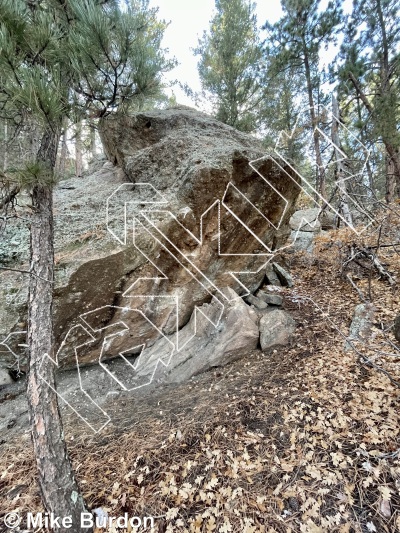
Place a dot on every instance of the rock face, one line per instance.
(187, 218)
(276, 329)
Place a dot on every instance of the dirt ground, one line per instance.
(304, 439)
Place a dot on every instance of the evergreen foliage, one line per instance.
(230, 63)
(370, 72)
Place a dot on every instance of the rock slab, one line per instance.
(259, 303)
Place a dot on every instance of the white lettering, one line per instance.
(67, 522)
(40, 520)
(101, 522)
(34, 521)
(54, 522)
(135, 522)
(86, 520)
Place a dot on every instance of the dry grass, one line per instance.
(305, 439)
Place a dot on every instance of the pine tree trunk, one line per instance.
(393, 160)
(392, 173)
(59, 489)
(34, 145)
(390, 192)
(78, 150)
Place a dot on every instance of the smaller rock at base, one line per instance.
(302, 240)
(276, 329)
(306, 220)
(270, 299)
(5, 378)
(271, 277)
(284, 277)
(257, 302)
(361, 324)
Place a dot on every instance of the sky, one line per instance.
(189, 18)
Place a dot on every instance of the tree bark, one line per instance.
(392, 172)
(393, 160)
(390, 192)
(59, 489)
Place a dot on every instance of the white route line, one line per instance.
(89, 331)
(334, 146)
(128, 187)
(192, 269)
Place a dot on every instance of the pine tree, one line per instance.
(280, 113)
(371, 72)
(229, 66)
(295, 42)
(60, 59)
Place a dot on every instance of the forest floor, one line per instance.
(305, 439)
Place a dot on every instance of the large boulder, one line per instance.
(187, 217)
(198, 347)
